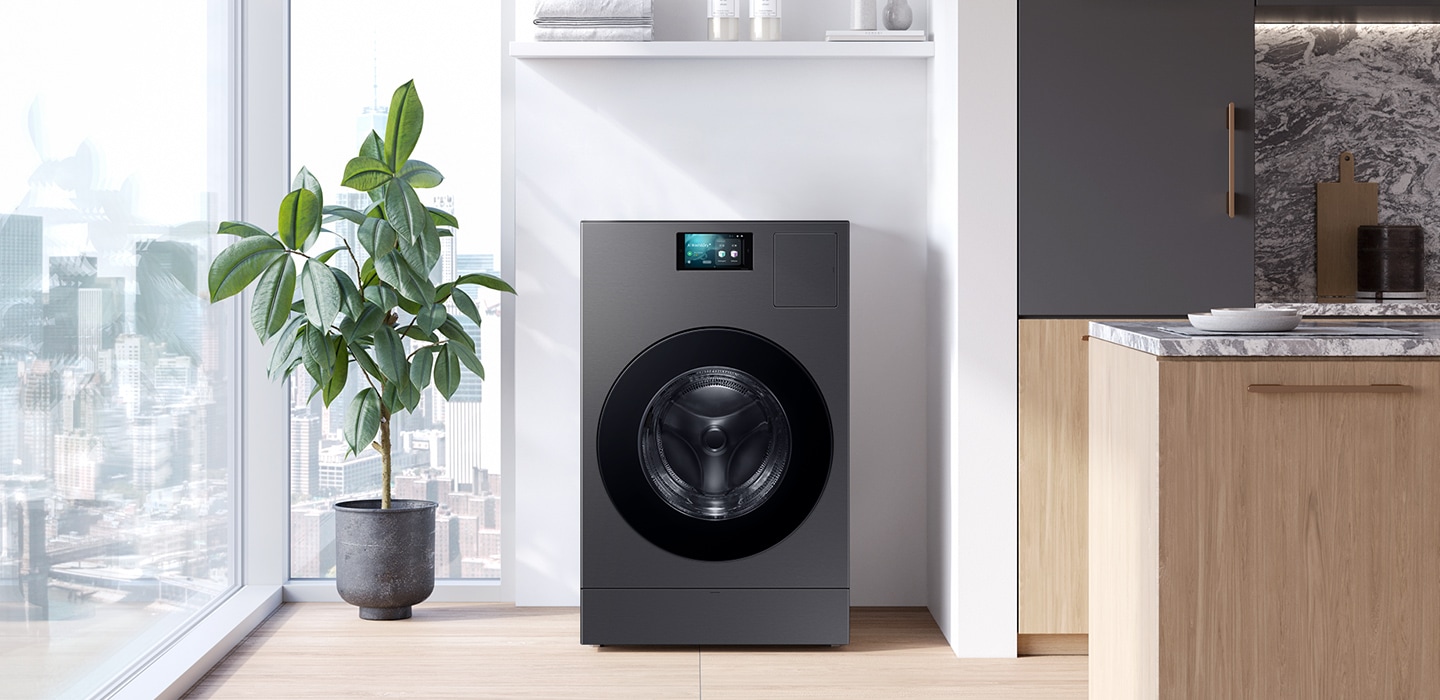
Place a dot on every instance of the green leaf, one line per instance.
(241, 229)
(414, 332)
(455, 332)
(430, 244)
(322, 294)
(270, 305)
(466, 305)
(326, 255)
(430, 318)
(421, 174)
(409, 307)
(367, 363)
(413, 253)
(239, 264)
(362, 420)
(390, 354)
(382, 297)
(373, 146)
(319, 356)
(404, 211)
(485, 280)
(364, 173)
(447, 371)
(367, 273)
(299, 218)
(446, 233)
(442, 292)
(409, 395)
(377, 237)
(287, 350)
(370, 320)
(334, 213)
(402, 129)
(420, 367)
(305, 181)
(468, 358)
(341, 372)
(351, 302)
(442, 217)
(396, 272)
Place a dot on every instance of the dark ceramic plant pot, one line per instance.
(385, 559)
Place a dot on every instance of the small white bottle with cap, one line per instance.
(724, 20)
(765, 20)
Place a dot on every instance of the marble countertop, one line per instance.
(1147, 336)
(1384, 309)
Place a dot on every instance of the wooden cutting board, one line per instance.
(1340, 208)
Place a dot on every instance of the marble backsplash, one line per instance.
(1373, 90)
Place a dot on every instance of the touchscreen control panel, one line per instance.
(712, 251)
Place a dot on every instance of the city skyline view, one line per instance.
(120, 384)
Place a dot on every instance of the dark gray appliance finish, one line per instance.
(1123, 157)
(651, 574)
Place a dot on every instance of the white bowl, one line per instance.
(1251, 311)
(1245, 323)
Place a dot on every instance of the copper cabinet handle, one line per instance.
(1230, 127)
(1331, 389)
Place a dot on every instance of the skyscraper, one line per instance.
(304, 451)
(68, 275)
(21, 245)
(462, 413)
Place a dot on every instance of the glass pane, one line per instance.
(116, 385)
(715, 443)
(448, 452)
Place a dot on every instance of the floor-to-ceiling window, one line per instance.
(347, 57)
(117, 400)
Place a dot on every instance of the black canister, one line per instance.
(1390, 263)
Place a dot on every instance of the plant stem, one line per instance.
(384, 457)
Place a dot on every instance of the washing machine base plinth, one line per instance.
(725, 616)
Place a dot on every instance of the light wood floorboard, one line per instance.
(317, 650)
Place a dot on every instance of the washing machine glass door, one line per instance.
(714, 444)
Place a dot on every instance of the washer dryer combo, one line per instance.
(716, 418)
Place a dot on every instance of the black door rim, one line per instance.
(791, 500)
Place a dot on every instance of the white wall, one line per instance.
(971, 289)
(725, 139)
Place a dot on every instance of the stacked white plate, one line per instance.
(1247, 320)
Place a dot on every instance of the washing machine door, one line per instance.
(714, 444)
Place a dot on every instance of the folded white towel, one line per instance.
(594, 8)
(594, 34)
(594, 22)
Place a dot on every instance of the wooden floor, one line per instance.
(316, 650)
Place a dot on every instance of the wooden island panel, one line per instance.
(1263, 545)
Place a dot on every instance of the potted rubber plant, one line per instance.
(376, 312)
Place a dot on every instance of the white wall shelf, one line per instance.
(722, 49)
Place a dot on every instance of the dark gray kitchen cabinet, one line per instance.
(1125, 157)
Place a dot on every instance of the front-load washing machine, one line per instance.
(716, 432)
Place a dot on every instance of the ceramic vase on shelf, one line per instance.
(897, 14)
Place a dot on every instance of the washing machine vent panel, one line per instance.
(715, 443)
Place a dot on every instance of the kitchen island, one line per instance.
(1263, 514)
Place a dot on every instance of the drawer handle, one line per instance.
(1331, 389)
(1230, 127)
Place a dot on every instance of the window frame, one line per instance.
(259, 57)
